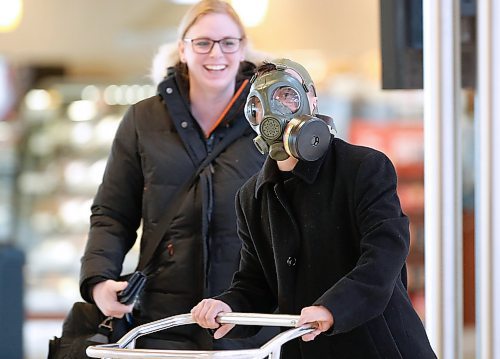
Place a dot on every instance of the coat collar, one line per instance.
(306, 171)
(180, 74)
(177, 78)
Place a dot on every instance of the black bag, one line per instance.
(85, 325)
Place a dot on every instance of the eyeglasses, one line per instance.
(228, 45)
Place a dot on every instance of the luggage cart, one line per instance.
(125, 347)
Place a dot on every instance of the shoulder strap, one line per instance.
(145, 261)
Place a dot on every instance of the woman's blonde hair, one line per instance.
(205, 7)
(168, 54)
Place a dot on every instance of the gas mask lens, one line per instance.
(253, 110)
(287, 97)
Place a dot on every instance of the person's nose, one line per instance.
(216, 49)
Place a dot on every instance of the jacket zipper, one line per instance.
(210, 197)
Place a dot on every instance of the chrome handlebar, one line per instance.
(125, 347)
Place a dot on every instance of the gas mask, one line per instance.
(278, 109)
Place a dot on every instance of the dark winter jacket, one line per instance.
(157, 147)
(333, 234)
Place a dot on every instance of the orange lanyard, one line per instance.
(229, 105)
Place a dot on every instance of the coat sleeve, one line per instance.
(383, 229)
(249, 290)
(116, 210)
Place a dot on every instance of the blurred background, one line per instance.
(69, 70)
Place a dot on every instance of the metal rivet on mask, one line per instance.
(184, 124)
(169, 90)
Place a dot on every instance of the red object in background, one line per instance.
(403, 143)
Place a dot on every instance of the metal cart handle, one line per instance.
(124, 348)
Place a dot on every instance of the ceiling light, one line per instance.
(184, 2)
(10, 14)
(251, 12)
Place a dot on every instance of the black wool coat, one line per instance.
(331, 234)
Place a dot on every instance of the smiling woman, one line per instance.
(212, 69)
(159, 144)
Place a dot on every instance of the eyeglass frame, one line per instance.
(240, 39)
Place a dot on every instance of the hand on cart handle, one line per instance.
(319, 317)
(205, 314)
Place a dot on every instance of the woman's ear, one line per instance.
(181, 47)
(243, 50)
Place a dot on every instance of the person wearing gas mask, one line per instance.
(323, 233)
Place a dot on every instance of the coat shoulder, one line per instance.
(148, 114)
(149, 107)
(353, 155)
(356, 151)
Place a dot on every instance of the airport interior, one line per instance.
(69, 70)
